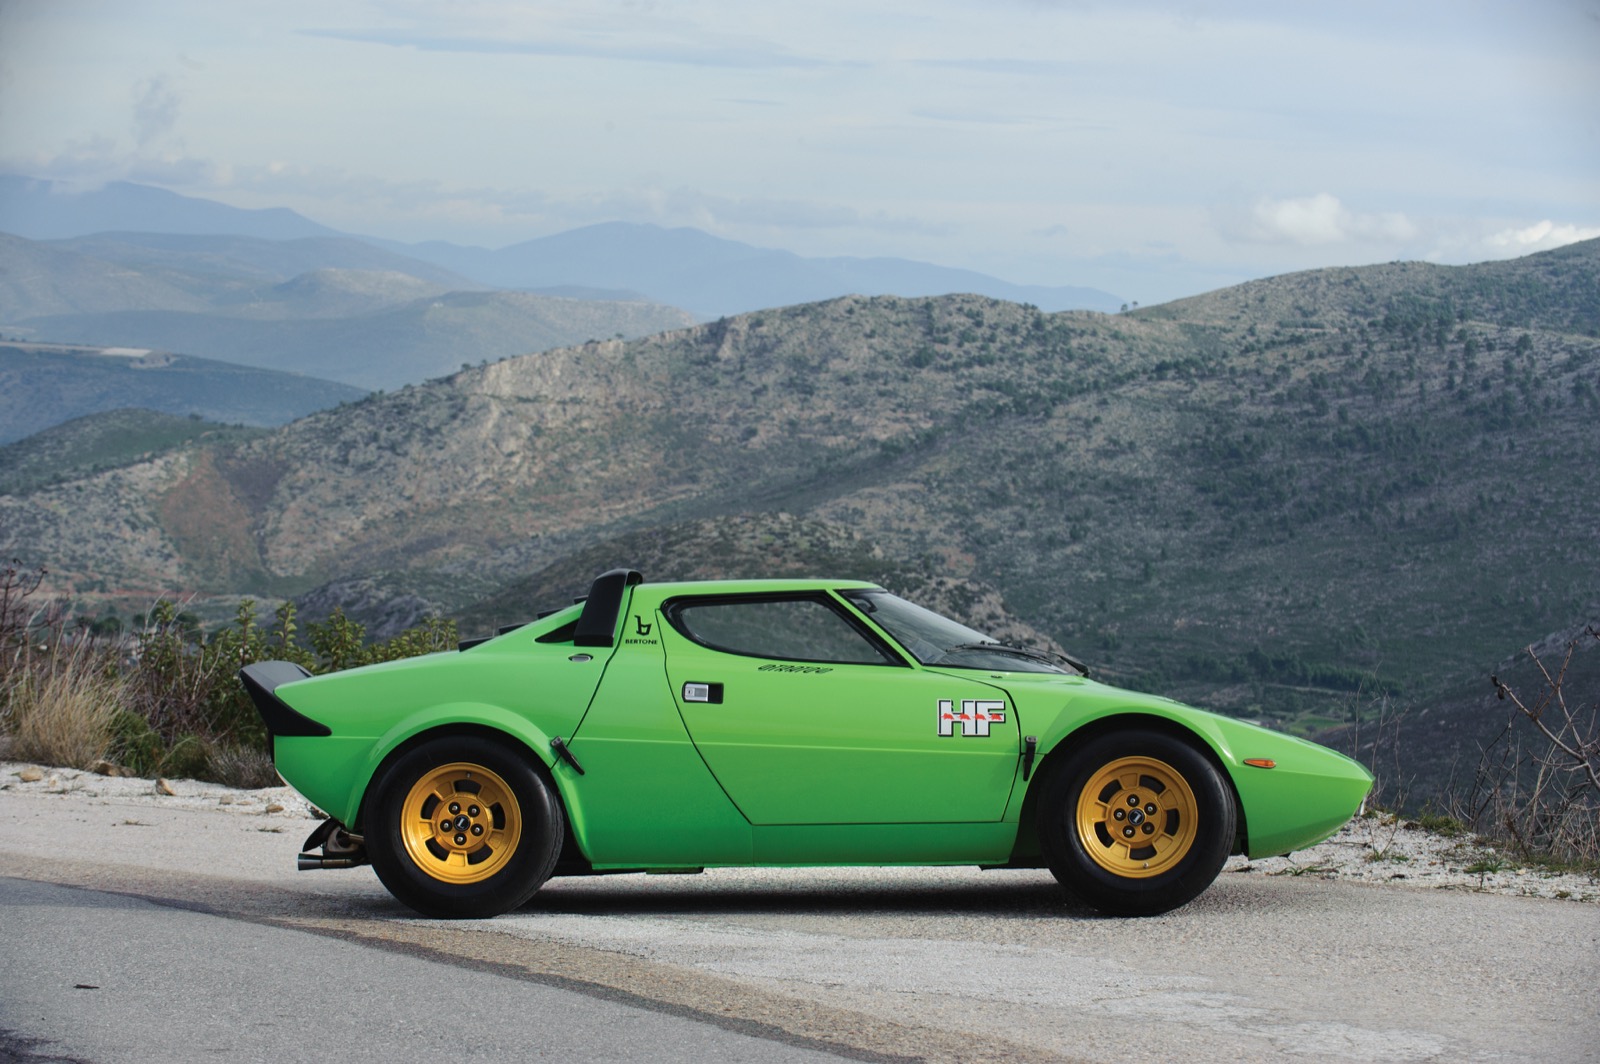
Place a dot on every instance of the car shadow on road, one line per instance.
(1007, 895)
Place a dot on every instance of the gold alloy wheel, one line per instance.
(460, 823)
(1137, 817)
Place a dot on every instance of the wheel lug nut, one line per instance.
(461, 840)
(1127, 833)
(1119, 815)
(1133, 799)
(477, 829)
(444, 825)
(455, 807)
(1149, 828)
(1150, 810)
(472, 810)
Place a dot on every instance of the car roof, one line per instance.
(746, 587)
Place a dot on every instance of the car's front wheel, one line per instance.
(1136, 822)
(462, 827)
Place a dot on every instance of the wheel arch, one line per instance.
(458, 728)
(1118, 720)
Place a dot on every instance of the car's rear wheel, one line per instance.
(1136, 822)
(462, 827)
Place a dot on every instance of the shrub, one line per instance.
(164, 700)
(135, 745)
(61, 711)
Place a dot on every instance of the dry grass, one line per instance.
(243, 767)
(60, 713)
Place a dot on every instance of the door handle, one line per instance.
(703, 692)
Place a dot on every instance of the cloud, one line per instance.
(1006, 67)
(99, 159)
(92, 161)
(1309, 221)
(757, 55)
(155, 111)
(1541, 236)
(157, 157)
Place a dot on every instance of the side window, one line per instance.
(797, 629)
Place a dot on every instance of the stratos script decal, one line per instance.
(975, 716)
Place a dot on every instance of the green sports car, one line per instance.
(677, 726)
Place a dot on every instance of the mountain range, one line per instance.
(711, 276)
(316, 306)
(704, 274)
(1295, 499)
(50, 210)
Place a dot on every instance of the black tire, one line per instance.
(463, 827)
(1136, 822)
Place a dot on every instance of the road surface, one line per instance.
(203, 942)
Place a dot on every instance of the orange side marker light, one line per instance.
(1260, 762)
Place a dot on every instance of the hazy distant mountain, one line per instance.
(383, 346)
(238, 276)
(713, 277)
(389, 322)
(687, 268)
(48, 210)
(254, 258)
(38, 279)
(44, 385)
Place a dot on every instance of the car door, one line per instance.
(806, 717)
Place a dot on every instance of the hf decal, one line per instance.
(976, 715)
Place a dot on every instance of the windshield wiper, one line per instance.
(1045, 656)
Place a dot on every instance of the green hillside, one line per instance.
(109, 440)
(42, 385)
(1284, 499)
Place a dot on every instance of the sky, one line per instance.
(1150, 149)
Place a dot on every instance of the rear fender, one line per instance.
(462, 717)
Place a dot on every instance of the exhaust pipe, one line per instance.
(310, 861)
(340, 848)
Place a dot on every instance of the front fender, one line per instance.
(1307, 794)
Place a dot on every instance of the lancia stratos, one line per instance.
(683, 726)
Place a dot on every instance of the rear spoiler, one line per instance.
(261, 680)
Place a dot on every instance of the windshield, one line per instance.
(936, 640)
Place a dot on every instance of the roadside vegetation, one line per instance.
(1529, 787)
(160, 697)
(1543, 796)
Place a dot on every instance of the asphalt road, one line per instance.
(203, 943)
(107, 977)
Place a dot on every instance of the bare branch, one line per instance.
(1580, 750)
